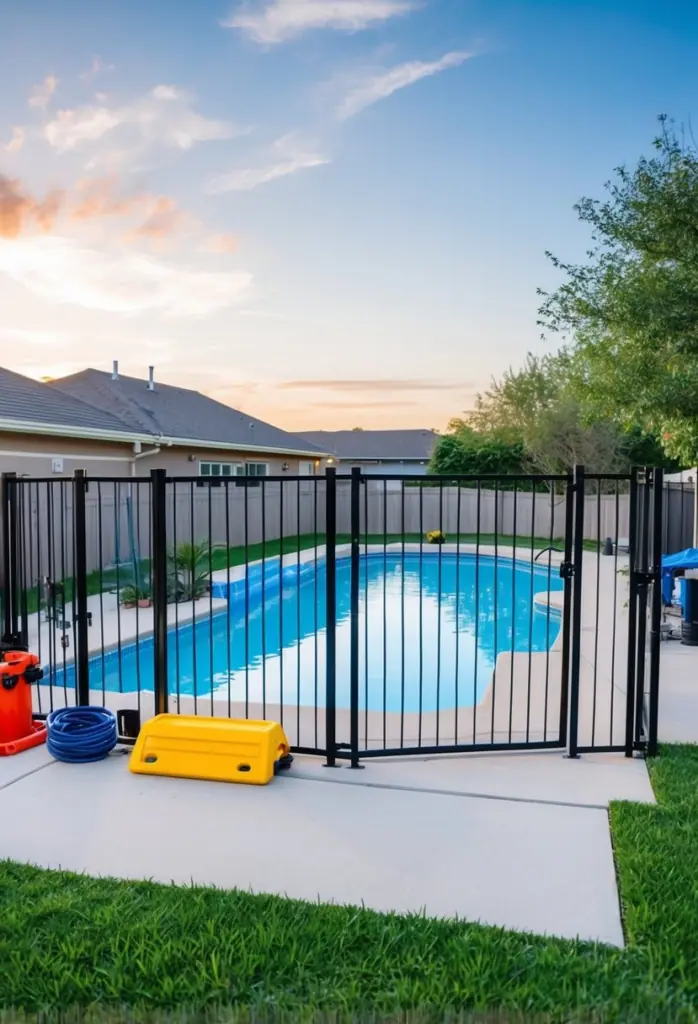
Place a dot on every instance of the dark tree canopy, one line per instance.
(631, 311)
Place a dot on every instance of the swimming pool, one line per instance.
(430, 629)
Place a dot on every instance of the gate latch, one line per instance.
(567, 570)
(643, 577)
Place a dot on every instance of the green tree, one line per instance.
(631, 310)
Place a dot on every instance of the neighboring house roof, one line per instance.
(29, 405)
(376, 445)
(174, 414)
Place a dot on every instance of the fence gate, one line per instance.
(373, 615)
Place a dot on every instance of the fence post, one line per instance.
(655, 610)
(642, 577)
(567, 573)
(10, 550)
(158, 511)
(576, 646)
(331, 616)
(632, 617)
(82, 646)
(354, 597)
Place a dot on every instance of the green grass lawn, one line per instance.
(67, 940)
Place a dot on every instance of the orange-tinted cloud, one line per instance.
(163, 221)
(221, 244)
(20, 212)
(147, 217)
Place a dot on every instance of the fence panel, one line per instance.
(320, 602)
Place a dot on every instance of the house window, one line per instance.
(257, 469)
(221, 469)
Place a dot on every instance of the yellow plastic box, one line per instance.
(218, 749)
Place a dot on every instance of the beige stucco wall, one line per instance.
(33, 455)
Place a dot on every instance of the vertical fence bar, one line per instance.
(632, 617)
(331, 612)
(9, 553)
(576, 646)
(82, 646)
(656, 610)
(354, 640)
(158, 511)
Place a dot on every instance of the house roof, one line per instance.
(376, 445)
(177, 414)
(29, 403)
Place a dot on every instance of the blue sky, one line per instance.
(326, 212)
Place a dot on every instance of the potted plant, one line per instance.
(189, 577)
(133, 595)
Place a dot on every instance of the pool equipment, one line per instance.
(81, 735)
(18, 731)
(217, 749)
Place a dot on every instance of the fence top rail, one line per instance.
(626, 477)
(442, 478)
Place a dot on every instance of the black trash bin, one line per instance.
(689, 624)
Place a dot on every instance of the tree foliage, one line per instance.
(632, 308)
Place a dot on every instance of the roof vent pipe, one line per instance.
(115, 370)
(151, 378)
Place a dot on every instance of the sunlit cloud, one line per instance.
(279, 20)
(20, 212)
(220, 244)
(374, 86)
(65, 271)
(111, 135)
(393, 384)
(18, 139)
(288, 156)
(41, 94)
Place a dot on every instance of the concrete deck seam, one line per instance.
(447, 792)
(26, 775)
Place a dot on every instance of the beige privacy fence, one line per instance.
(118, 516)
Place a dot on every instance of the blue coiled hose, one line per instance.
(81, 735)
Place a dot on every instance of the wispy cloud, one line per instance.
(288, 156)
(392, 384)
(20, 212)
(378, 85)
(97, 67)
(279, 20)
(164, 117)
(220, 244)
(64, 271)
(18, 139)
(139, 216)
(41, 94)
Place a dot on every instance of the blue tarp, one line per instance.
(687, 559)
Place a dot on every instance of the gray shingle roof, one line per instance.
(29, 401)
(358, 445)
(173, 412)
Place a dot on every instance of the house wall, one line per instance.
(34, 455)
(386, 466)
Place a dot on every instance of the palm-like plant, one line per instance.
(190, 570)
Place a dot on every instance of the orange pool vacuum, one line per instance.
(18, 731)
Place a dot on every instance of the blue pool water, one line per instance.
(429, 630)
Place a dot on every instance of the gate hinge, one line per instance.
(567, 570)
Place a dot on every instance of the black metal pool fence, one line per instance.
(371, 615)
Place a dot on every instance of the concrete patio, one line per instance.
(517, 841)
